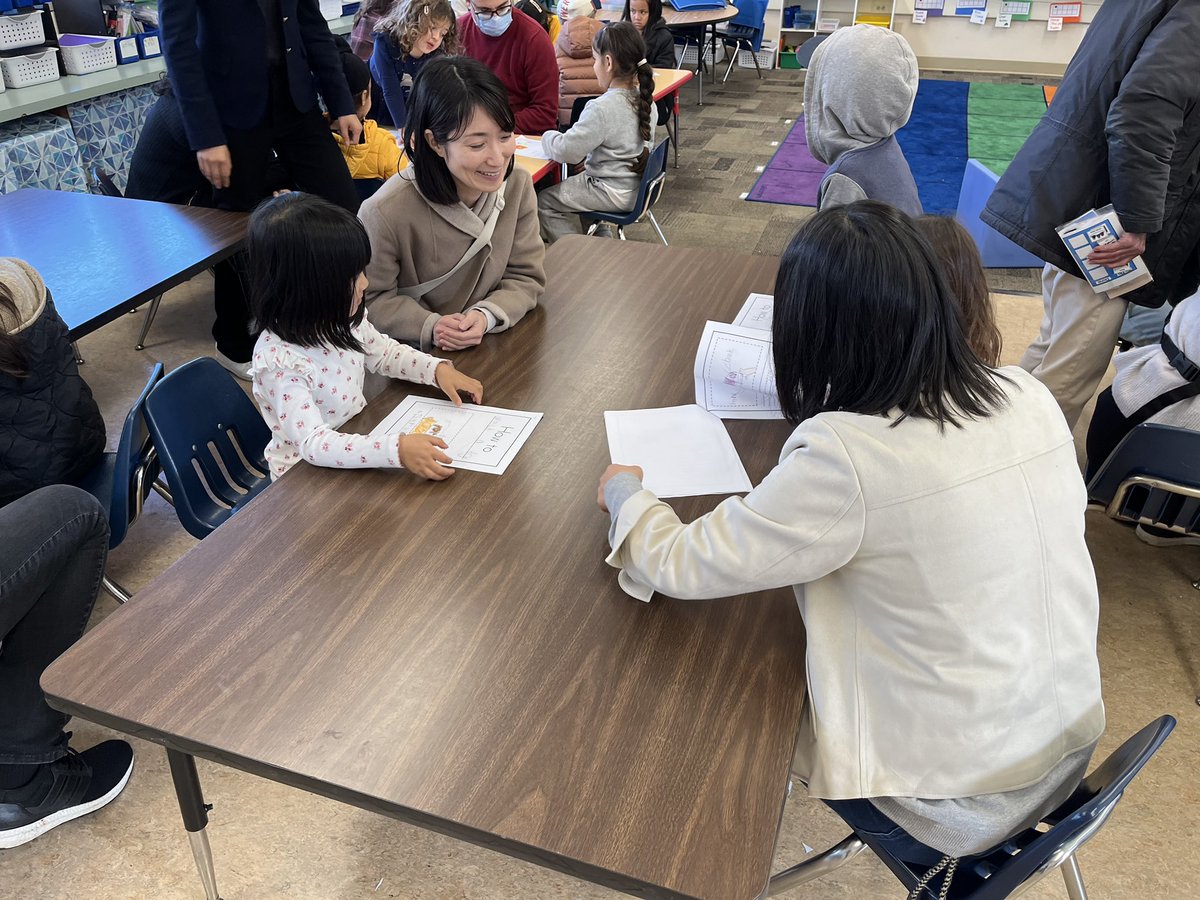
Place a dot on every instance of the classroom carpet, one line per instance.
(951, 122)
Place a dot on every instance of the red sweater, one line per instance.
(523, 59)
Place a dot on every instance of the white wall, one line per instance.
(1025, 47)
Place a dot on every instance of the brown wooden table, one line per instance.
(102, 256)
(458, 655)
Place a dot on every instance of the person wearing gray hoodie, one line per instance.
(859, 91)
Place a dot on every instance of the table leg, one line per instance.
(675, 131)
(195, 817)
(75, 350)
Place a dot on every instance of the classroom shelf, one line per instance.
(847, 12)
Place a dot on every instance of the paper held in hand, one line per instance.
(1093, 229)
(683, 451)
(735, 373)
(480, 438)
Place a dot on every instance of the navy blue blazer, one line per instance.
(216, 53)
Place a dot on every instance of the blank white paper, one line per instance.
(683, 450)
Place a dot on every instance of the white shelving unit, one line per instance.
(846, 12)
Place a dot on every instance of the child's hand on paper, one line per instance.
(1119, 252)
(422, 455)
(451, 381)
(458, 331)
(611, 472)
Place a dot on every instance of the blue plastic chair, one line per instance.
(745, 31)
(1152, 478)
(1024, 858)
(654, 177)
(996, 251)
(122, 480)
(210, 440)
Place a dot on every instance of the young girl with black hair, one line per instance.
(408, 36)
(929, 514)
(455, 248)
(647, 17)
(615, 133)
(306, 262)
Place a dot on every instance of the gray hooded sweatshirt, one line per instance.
(858, 93)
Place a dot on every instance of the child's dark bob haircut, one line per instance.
(305, 254)
(444, 97)
(865, 323)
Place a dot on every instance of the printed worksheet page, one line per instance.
(480, 438)
(735, 373)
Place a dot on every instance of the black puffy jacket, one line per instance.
(51, 431)
(1123, 128)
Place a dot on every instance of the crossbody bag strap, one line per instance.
(489, 227)
(1162, 401)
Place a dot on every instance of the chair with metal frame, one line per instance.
(210, 440)
(1152, 478)
(1015, 865)
(123, 479)
(654, 178)
(745, 32)
(101, 182)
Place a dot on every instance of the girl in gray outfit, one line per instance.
(615, 133)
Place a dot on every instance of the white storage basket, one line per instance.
(766, 56)
(30, 68)
(330, 9)
(87, 53)
(21, 31)
(687, 58)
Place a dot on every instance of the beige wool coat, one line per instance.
(414, 241)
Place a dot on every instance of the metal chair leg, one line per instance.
(1073, 878)
(757, 67)
(732, 59)
(78, 355)
(653, 221)
(119, 593)
(150, 314)
(163, 491)
(195, 817)
(621, 232)
(815, 867)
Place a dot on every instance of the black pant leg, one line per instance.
(312, 158)
(250, 150)
(1106, 430)
(53, 545)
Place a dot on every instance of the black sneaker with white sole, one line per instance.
(69, 787)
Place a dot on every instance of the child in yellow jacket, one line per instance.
(377, 155)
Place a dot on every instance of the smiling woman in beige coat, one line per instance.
(455, 249)
(928, 511)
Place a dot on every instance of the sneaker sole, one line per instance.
(1184, 540)
(27, 833)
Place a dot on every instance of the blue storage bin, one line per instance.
(127, 50)
(149, 45)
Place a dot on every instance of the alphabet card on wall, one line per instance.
(480, 438)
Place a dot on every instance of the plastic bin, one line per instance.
(126, 49)
(21, 31)
(33, 67)
(149, 44)
(86, 53)
(330, 9)
(766, 57)
(686, 57)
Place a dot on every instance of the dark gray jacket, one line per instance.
(1123, 128)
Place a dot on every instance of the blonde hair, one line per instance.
(410, 19)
